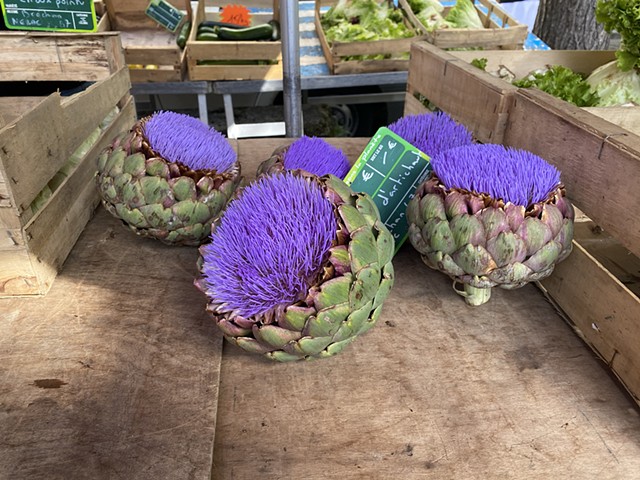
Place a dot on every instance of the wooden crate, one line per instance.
(480, 99)
(501, 30)
(337, 53)
(150, 50)
(39, 141)
(597, 287)
(215, 60)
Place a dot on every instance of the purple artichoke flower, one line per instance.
(513, 175)
(432, 133)
(269, 246)
(316, 156)
(185, 139)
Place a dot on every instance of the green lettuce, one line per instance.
(561, 82)
(618, 82)
(623, 16)
(463, 15)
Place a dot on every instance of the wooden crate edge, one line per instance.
(602, 311)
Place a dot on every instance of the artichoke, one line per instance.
(168, 178)
(298, 266)
(311, 154)
(432, 133)
(491, 216)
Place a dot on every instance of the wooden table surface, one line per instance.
(117, 373)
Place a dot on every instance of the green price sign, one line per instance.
(49, 15)
(165, 14)
(389, 170)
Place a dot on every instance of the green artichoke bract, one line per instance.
(491, 216)
(168, 178)
(310, 272)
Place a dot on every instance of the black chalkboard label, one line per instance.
(389, 170)
(50, 15)
(165, 14)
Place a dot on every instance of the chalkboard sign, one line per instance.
(50, 15)
(389, 170)
(165, 14)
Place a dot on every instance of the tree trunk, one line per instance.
(570, 25)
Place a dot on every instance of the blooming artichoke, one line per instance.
(432, 133)
(491, 216)
(311, 154)
(168, 178)
(297, 267)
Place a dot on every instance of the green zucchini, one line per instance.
(181, 39)
(206, 29)
(257, 32)
(207, 37)
(211, 23)
(275, 36)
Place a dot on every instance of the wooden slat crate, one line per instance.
(598, 285)
(501, 30)
(150, 50)
(337, 53)
(220, 60)
(48, 153)
(480, 99)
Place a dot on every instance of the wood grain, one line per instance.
(124, 335)
(437, 390)
(596, 169)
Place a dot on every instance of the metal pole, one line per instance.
(291, 90)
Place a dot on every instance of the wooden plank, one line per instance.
(470, 96)
(521, 63)
(235, 72)
(493, 36)
(625, 117)
(84, 111)
(28, 165)
(142, 75)
(53, 231)
(413, 106)
(201, 50)
(336, 52)
(580, 145)
(59, 57)
(11, 108)
(419, 395)
(604, 312)
(17, 275)
(225, 51)
(153, 56)
(136, 363)
(616, 259)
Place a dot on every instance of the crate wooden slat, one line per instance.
(335, 52)
(597, 159)
(508, 33)
(599, 162)
(55, 56)
(480, 99)
(454, 86)
(37, 140)
(224, 52)
(147, 43)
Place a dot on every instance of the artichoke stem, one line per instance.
(474, 296)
